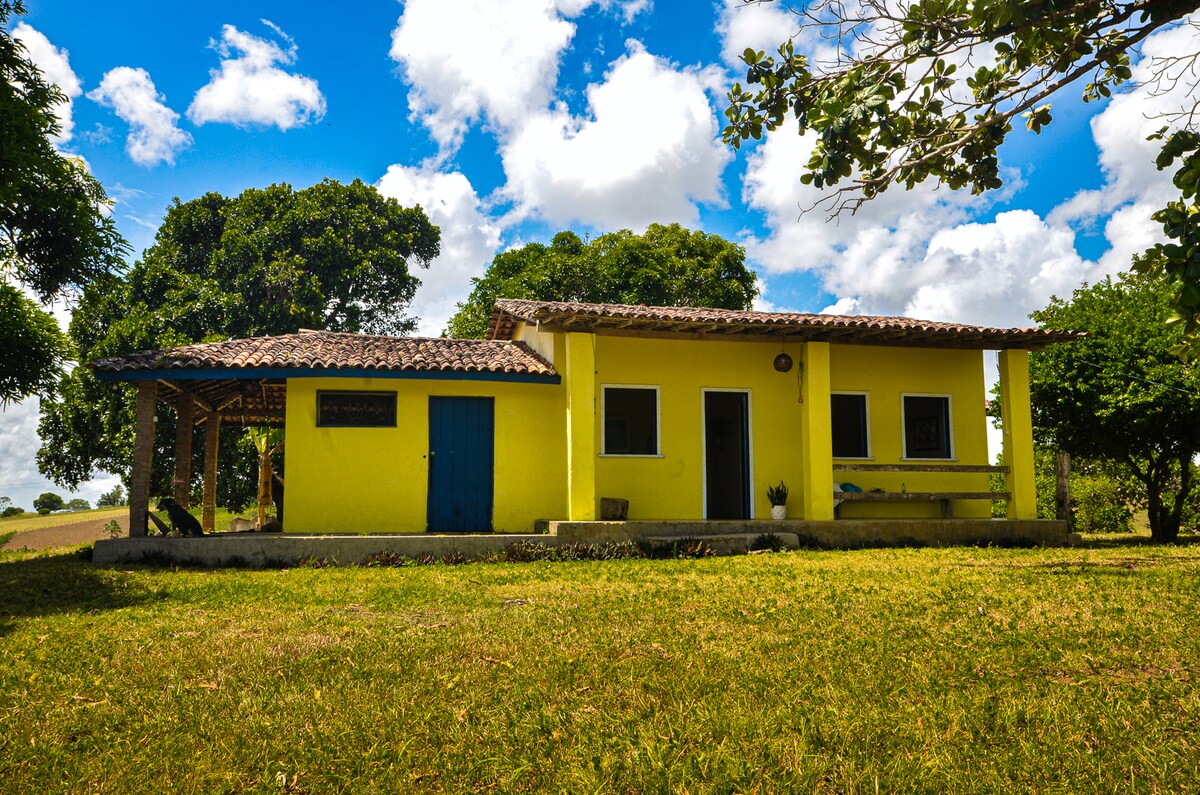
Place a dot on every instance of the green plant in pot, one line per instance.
(778, 496)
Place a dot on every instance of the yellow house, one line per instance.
(568, 408)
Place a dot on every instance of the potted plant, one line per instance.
(778, 496)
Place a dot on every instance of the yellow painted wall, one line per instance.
(886, 374)
(354, 480)
(671, 486)
(375, 479)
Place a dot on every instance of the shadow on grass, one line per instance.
(1122, 540)
(64, 583)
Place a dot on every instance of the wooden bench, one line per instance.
(946, 498)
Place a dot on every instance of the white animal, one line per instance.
(240, 525)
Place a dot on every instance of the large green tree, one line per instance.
(896, 107)
(55, 235)
(1122, 394)
(667, 266)
(269, 261)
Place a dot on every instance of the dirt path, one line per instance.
(65, 535)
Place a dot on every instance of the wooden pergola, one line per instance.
(198, 399)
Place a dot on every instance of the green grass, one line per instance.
(960, 670)
(33, 521)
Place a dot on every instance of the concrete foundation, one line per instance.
(726, 537)
(838, 534)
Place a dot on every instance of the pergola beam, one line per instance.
(212, 433)
(182, 482)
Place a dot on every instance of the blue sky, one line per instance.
(509, 120)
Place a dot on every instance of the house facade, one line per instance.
(685, 413)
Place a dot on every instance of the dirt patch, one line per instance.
(66, 535)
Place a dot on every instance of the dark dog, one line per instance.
(181, 520)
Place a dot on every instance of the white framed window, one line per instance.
(850, 413)
(927, 425)
(630, 420)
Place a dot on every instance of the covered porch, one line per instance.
(198, 401)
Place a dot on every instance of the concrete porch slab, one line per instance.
(727, 537)
(282, 549)
(837, 534)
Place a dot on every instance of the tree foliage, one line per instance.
(55, 235)
(667, 266)
(113, 499)
(1121, 395)
(48, 501)
(78, 504)
(270, 261)
(930, 89)
(34, 347)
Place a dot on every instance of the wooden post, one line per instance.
(1062, 487)
(183, 448)
(143, 457)
(212, 433)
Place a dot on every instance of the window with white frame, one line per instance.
(630, 420)
(848, 411)
(927, 426)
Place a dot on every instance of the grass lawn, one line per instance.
(959, 670)
(33, 521)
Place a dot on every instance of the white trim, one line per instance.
(949, 426)
(866, 421)
(704, 446)
(658, 443)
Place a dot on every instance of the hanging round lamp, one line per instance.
(783, 363)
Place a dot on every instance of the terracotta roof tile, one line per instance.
(731, 324)
(331, 350)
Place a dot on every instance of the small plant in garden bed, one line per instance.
(764, 541)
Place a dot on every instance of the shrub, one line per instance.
(767, 541)
(12, 510)
(1098, 506)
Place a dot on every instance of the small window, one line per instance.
(356, 409)
(926, 426)
(849, 415)
(630, 421)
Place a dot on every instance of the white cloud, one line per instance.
(918, 253)
(479, 59)
(485, 60)
(1133, 187)
(55, 65)
(760, 26)
(20, 480)
(649, 151)
(154, 136)
(250, 89)
(469, 238)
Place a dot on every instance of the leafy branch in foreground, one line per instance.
(895, 107)
(930, 89)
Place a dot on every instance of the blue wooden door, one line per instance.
(461, 451)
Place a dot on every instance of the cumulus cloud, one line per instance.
(250, 89)
(154, 136)
(56, 66)
(1133, 187)
(485, 60)
(648, 150)
(922, 253)
(20, 480)
(760, 26)
(469, 237)
(479, 59)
